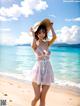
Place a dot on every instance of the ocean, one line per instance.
(18, 61)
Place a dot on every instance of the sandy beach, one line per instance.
(19, 93)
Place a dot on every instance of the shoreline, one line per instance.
(20, 93)
(25, 78)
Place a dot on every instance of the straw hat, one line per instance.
(45, 22)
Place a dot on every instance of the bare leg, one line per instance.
(36, 92)
(43, 94)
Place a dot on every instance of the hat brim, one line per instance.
(45, 22)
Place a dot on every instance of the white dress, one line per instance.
(42, 72)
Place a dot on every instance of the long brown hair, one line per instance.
(41, 27)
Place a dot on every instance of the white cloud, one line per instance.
(26, 9)
(6, 37)
(3, 18)
(73, 19)
(7, 40)
(70, 35)
(11, 13)
(52, 15)
(71, 1)
(5, 29)
(5, 1)
(24, 38)
(40, 5)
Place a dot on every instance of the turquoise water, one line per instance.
(65, 61)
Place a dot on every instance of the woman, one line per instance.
(42, 71)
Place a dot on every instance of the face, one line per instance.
(41, 34)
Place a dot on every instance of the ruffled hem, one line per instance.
(42, 83)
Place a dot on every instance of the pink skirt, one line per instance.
(42, 73)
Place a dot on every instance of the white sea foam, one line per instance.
(26, 76)
(67, 83)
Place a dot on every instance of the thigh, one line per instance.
(45, 88)
(36, 89)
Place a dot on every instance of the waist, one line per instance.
(43, 59)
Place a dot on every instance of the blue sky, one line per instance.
(17, 16)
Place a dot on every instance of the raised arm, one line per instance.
(34, 46)
(50, 42)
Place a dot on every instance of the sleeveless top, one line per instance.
(41, 53)
(42, 72)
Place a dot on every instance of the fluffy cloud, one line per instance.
(70, 35)
(73, 19)
(39, 5)
(24, 38)
(8, 40)
(6, 37)
(52, 15)
(71, 1)
(26, 8)
(12, 13)
(5, 29)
